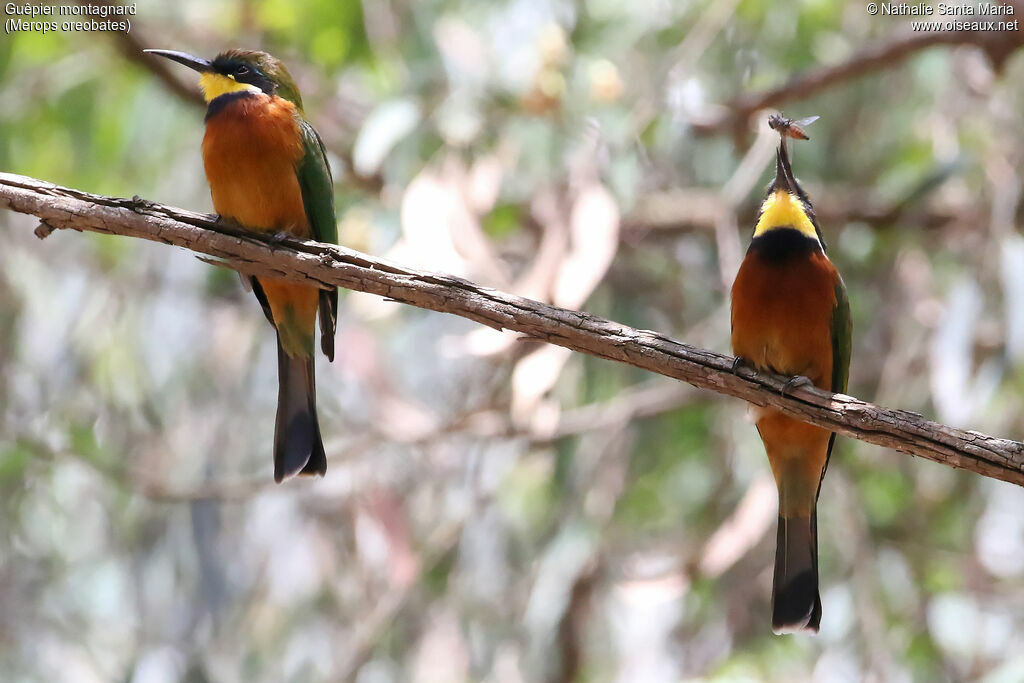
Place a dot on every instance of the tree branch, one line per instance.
(329, 266)
(131, 46)
(698, 210)
(997, 46)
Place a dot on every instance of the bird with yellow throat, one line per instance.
(268, 172)
(791, 315)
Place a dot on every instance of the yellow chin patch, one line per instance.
(214, 85)
(783, 210)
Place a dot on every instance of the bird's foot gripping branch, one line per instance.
(323, 265)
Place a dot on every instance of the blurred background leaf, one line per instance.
(496, 510)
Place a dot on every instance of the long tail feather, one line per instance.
(298, 447)
(328, 321)
(796, 605)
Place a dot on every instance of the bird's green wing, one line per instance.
(842, 340)
(317, 186)
(318, 199)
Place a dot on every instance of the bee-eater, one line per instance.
(268, 172)
(790, 315)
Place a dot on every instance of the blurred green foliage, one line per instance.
(492, 513)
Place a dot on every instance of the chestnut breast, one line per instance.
(250, 151)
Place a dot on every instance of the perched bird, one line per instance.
(268, 172)
(790, 315)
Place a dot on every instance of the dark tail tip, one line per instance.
(796, 605)
(317, 463)
(298, 447)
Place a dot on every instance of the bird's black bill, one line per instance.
(185, 58)
(783, 172)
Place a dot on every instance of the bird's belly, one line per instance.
(782, 318)
(782, 321)
(250, 151)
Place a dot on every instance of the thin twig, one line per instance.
(131, 46)
(997, 45)
(664, 214)
(328, 266)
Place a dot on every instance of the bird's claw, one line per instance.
(279, 237)
(226, 222)
(740, 362)
(795, 382)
